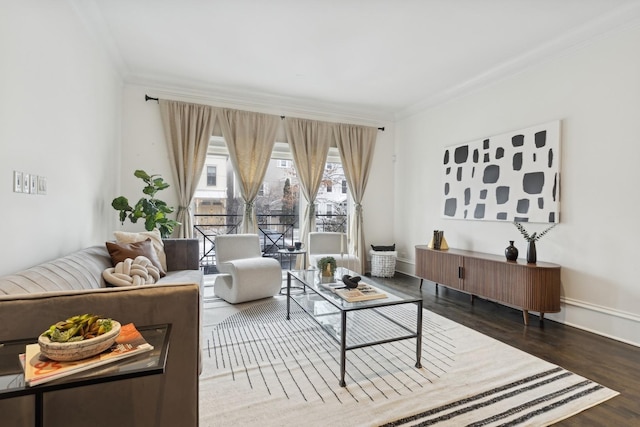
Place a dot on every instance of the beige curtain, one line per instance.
(309, 141)
(356, 145)
(250, 138)
(187, 130)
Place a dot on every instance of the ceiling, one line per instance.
(376, 57)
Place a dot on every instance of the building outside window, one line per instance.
(264, 189)
(211, 176)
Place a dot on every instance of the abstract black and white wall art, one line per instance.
(514, 176)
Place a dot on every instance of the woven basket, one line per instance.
(383, 263)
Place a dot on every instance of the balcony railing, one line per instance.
(275, 232)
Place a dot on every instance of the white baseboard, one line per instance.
(611, 323)
(604, 321)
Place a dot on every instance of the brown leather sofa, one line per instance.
(33, 299)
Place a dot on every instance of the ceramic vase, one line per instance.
(511, 252)
(531, 252)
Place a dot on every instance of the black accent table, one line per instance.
(12, 382)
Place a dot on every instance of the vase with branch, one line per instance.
(532, 239)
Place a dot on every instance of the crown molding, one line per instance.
(616, 21)
(260, 102)
(90, 15)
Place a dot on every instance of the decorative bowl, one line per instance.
(291, 248)
(350, 282)
(76, 350)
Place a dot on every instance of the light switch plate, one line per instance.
(33, 184)
(26, 183)
(42, 184)
(17, 182)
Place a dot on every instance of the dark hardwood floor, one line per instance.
(611, 363)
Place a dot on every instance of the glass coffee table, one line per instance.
(336, 315)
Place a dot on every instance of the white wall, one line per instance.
(144, 147)
(595, 91)
(60, 109)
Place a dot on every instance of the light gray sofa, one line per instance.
(33, 299)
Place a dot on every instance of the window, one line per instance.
(329, 210)
(218, 202)
(344, 186)
(264, 189)
(211, 176)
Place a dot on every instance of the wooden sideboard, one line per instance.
(530, 287)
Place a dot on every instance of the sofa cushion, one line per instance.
(156, 239)
(183, 276)
(79, 270)
(121, 251)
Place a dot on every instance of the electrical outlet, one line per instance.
(17, 182)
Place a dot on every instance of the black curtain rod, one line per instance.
(382, 128)
(148, 98)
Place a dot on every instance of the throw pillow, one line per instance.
(384, 248)
(121, 251)
(156, 239)
(132, 272)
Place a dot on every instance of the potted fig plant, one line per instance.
(152, 210)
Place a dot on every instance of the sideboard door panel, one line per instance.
(439, 267)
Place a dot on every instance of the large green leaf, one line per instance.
(150, 190)
(121, 203)
(141, 174)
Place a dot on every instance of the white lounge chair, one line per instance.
(245, 274)
(322, 244)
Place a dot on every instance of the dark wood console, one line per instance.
(531, 287)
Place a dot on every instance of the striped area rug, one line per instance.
(260, 369)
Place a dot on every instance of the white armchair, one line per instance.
(245, 274)
(322, 244)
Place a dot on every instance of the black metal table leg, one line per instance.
(288, 293)
(419, 337)
(343, 348)
(39, 410)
